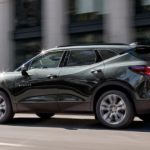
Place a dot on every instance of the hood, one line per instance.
(9, 75)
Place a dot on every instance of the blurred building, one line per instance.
(27, 26)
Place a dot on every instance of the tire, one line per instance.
(6, 112)
(45, 116)
(114, 110)
(145, 117)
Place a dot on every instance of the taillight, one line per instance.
(145, 70)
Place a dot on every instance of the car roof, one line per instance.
(79, 47)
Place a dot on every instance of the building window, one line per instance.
(86, 38)
(28, 13)
(85, 10)
(143, 35)
(142, 6)
(26, 49)
(146, 5)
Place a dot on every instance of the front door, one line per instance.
(38, 91)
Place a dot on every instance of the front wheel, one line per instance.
(6, 112)
(45, 115)
(114, 109)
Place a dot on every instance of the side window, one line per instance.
(81, 57)
(106, 54)
(50, 60)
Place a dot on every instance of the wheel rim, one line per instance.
(2, 107)
(113, 109)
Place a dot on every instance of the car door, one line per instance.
(38, 91)
(81, 73)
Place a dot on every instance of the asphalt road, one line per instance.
(70, 132)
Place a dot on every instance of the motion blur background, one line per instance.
(27, 26)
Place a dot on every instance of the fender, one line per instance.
(118, 83)
(14, 106)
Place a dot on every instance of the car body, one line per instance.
(81, 79)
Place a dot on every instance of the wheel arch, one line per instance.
(114, 85)
(14, 108)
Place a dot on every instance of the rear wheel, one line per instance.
(145, 117)
(45, 115)
(114, 109)
(6, 112)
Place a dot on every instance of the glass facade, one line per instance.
(28, 13)
(86, 14)
(86, 38)
(143, 21)
(85, 24)
(146, 5)
(143, 35)
(26, 49)
(85, 10)
(142, 6)
(27, 25)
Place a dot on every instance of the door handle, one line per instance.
(51, 76)
(96, 71)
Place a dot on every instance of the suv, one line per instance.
(110, 81)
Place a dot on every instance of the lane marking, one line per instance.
(11, 145)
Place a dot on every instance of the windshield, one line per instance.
(46, 59)
(28, 62)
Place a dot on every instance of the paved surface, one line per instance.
(27, 132)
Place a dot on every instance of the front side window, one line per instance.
(50, 60)
(81, 57)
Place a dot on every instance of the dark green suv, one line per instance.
(110, 81)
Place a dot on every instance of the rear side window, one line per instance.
(106, 54)
(81, 57)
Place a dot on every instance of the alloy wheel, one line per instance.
(113, 109)
(2, 107)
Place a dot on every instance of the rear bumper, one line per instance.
(142, 106)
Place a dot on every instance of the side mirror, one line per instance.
(24, 71)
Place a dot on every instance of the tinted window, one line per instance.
(81, 57)
(50, 60)
(106, 54)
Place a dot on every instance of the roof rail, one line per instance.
(92, 44)
(136, 44)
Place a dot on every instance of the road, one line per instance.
(70, 132)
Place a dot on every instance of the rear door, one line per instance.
(81, 72)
